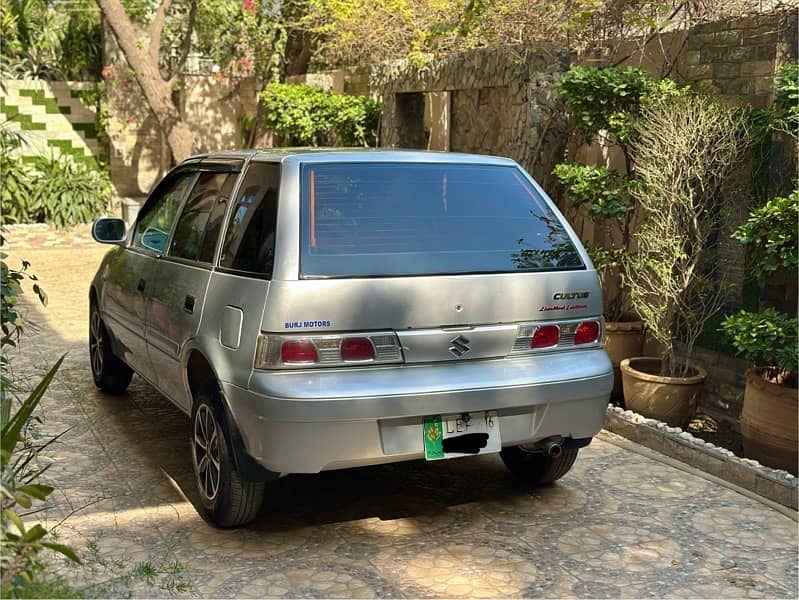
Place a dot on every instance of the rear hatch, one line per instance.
(460, 261)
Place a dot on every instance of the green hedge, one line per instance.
(306, 115)
(48, 189)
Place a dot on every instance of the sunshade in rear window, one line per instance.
(392, 219)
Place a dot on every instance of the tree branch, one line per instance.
(186, 45)
(655, 33)
(157, 27)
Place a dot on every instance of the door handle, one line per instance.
(141, 285)
(188, 304)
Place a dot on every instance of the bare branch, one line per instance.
(186, 45)
(685, 152)
(157, 27)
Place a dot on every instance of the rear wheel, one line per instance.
(228, 499)
(110, 373)
(538, 467)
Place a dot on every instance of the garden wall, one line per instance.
(55, 117)
(212, 106)
(495, 101)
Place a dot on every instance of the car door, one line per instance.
(181, 277)
(130, 271)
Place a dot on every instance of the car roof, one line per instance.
(317, 155)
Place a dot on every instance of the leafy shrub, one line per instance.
(16, 189)
(12, 322)
(770, 237)
(306, 115)
(610, 98)
(767, 338)
(786, 99)
(603, 191)
(56, 190)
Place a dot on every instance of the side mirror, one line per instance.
(109, 230)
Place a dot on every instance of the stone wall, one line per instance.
(736, 59)
(501, 101)
(723, 394)
(54, 118)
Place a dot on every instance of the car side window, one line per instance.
(216, 220)
(250, 238)
(152, 229)
(194, 217)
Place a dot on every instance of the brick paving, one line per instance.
(618, 525)
(38, 236)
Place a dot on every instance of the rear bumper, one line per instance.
(305, 422)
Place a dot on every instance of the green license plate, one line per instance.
(433, 438)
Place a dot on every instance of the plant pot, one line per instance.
(668, 399)
(769, 422)
(623, 339)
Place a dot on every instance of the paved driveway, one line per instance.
(620, 524)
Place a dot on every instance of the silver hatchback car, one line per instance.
(317, 310)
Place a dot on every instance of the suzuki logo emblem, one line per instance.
(459, 346)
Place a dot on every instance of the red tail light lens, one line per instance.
(586, 333)
(545, 336)
(298, 352)
(357, 349)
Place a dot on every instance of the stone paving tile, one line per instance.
(712, 586)
(618, 525)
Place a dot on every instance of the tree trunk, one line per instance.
(157, 92)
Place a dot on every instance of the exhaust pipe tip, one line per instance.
(553, 449)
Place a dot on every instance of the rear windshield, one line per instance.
(384, 219)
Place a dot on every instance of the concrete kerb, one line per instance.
(775, 485)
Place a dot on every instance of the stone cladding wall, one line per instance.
(737, 58)
(502, 101)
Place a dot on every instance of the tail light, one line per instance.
(535, 337)
(299, 352)
(290, 352)
(357, 349)
(545, 336)
(587, 332)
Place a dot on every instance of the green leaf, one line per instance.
(11, 432)
(14, 518)
(34, 534)
(38, 491)
(62, 549)
(23, 500)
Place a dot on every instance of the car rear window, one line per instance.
(384, 219)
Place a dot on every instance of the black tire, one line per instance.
(228, 499)
(110, 373)
(538, 468)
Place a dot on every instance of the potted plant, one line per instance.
(685, 152)
(769, 338)
(604, 104)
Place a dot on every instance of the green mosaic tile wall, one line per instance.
(52, 127)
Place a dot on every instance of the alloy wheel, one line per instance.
(96, 343)
(206, 451)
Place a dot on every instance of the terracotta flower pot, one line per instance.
(623, 339)
(669, 399)
(769, 422)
